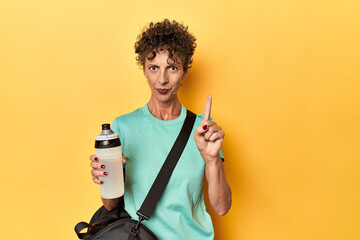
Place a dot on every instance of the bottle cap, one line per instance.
(107, 138)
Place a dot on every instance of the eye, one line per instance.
(173, 68)
(153, 68)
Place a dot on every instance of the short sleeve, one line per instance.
(115, 127)
(221, 155)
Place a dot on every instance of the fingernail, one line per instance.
(101, 182)
(96, 159)
(102, 166)
(105, 173)
(205, 127)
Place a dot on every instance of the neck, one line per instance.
(165, 111)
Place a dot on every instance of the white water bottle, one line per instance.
(108, 150)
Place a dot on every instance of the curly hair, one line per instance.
(166, 35)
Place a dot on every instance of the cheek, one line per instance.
(150, 81)
(176, 82)
(176, 86)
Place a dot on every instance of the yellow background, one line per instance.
(285, 81)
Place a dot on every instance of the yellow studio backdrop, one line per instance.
(285, 81)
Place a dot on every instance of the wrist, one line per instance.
(111, 203)
(211, 159)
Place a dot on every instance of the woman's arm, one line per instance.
(218, 188)
(209, 137)
(111, 203)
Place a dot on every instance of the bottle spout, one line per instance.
(106, 130)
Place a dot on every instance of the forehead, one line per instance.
(163, 56)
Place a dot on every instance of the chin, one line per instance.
(165, 98)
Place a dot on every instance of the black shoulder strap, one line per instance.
(166, 170)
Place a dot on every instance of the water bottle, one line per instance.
(108, 150)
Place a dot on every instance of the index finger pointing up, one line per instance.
(207, 109)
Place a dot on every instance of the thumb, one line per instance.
(200, 130)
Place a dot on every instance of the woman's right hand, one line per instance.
(98, 169)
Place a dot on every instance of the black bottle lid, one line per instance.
(107, 138)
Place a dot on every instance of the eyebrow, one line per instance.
(168, 65)
(174, 64)
(151, 65)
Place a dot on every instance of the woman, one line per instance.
(164, 50)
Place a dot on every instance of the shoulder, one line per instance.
(129, 116)
(120, 122)
(199, 118)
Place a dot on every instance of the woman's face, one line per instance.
(164, 76)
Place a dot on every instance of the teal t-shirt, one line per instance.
(146, 142)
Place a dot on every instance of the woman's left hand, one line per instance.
(209, 136)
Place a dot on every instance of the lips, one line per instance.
(163, 91)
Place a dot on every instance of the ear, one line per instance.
(183, 76)
(144, 71)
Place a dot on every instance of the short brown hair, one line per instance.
(166, 35)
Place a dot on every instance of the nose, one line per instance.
(163, 78)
